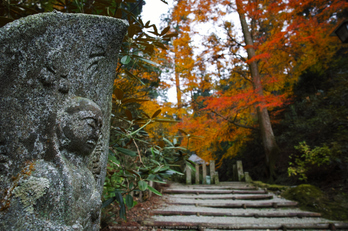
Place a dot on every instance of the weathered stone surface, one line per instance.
(188, 175)
(240, 172)
(197, 174)
(212, 171)
(204, 172)
(56, 75)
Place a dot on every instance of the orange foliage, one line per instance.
(289, 37)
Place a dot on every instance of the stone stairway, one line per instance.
(232, 206)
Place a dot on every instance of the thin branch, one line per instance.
(135, 143)
(233, 121)
(242, 74)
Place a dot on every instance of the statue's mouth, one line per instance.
(92, 142)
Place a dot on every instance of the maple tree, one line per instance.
(282, 39)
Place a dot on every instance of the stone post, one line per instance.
(197, 174)
(216, 180)
(56, 73)
(212, 171)
(247, 177)
(188, 175)
(240, 172)
(204, 172)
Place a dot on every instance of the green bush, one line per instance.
(309, 158)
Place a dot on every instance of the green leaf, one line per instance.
(118, 93)
(168, 142)
(150, 177)
(161, 45)
(190, 165)
(126, 151)
(150, 62)
(125, 59)
(108, 202)
(180, 173)
(164, 168)
(129, 201)
(120, 201)
(154, 190)
(157, 169)
(170, 35)
(166, 121)
(132, 100)
(156, 113)
(146, 115)
(133, 172)
(133, 76)
(182, 131)
(152, 151)
(165, 30)
(113, 159)
(142, 185)
(129, 115)
(159, 181)
(154, 161)
(181, 148)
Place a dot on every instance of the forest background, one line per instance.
(273, 93)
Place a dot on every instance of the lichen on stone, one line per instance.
(31, 190)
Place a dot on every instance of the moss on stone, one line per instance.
(30, 190)
(313, 199)
(271, 187)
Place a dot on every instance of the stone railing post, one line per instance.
(188, 175)
(57, 73)
(212, 171)
(247, 177)
(216, 179)
(197, 174)
(240, 172)
(204, 172)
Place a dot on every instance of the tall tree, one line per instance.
(270, 146)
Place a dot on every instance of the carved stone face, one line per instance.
(82, 126)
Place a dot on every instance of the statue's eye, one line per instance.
(91, 122)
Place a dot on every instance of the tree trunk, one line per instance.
(178, 94)
(270, 146)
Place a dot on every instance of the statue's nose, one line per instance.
(96, 133)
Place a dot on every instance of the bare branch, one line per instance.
(233, 121)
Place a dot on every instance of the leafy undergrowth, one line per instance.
(135, 216)
(313, 199)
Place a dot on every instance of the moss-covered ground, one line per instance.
(311, 198)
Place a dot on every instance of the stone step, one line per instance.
(233, 206)
(214, 187)
(256, 214)
(289, 225)
(244, 205)
(223, 196)
(209, 191)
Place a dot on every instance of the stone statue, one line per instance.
(56, 72)
(77, 201)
